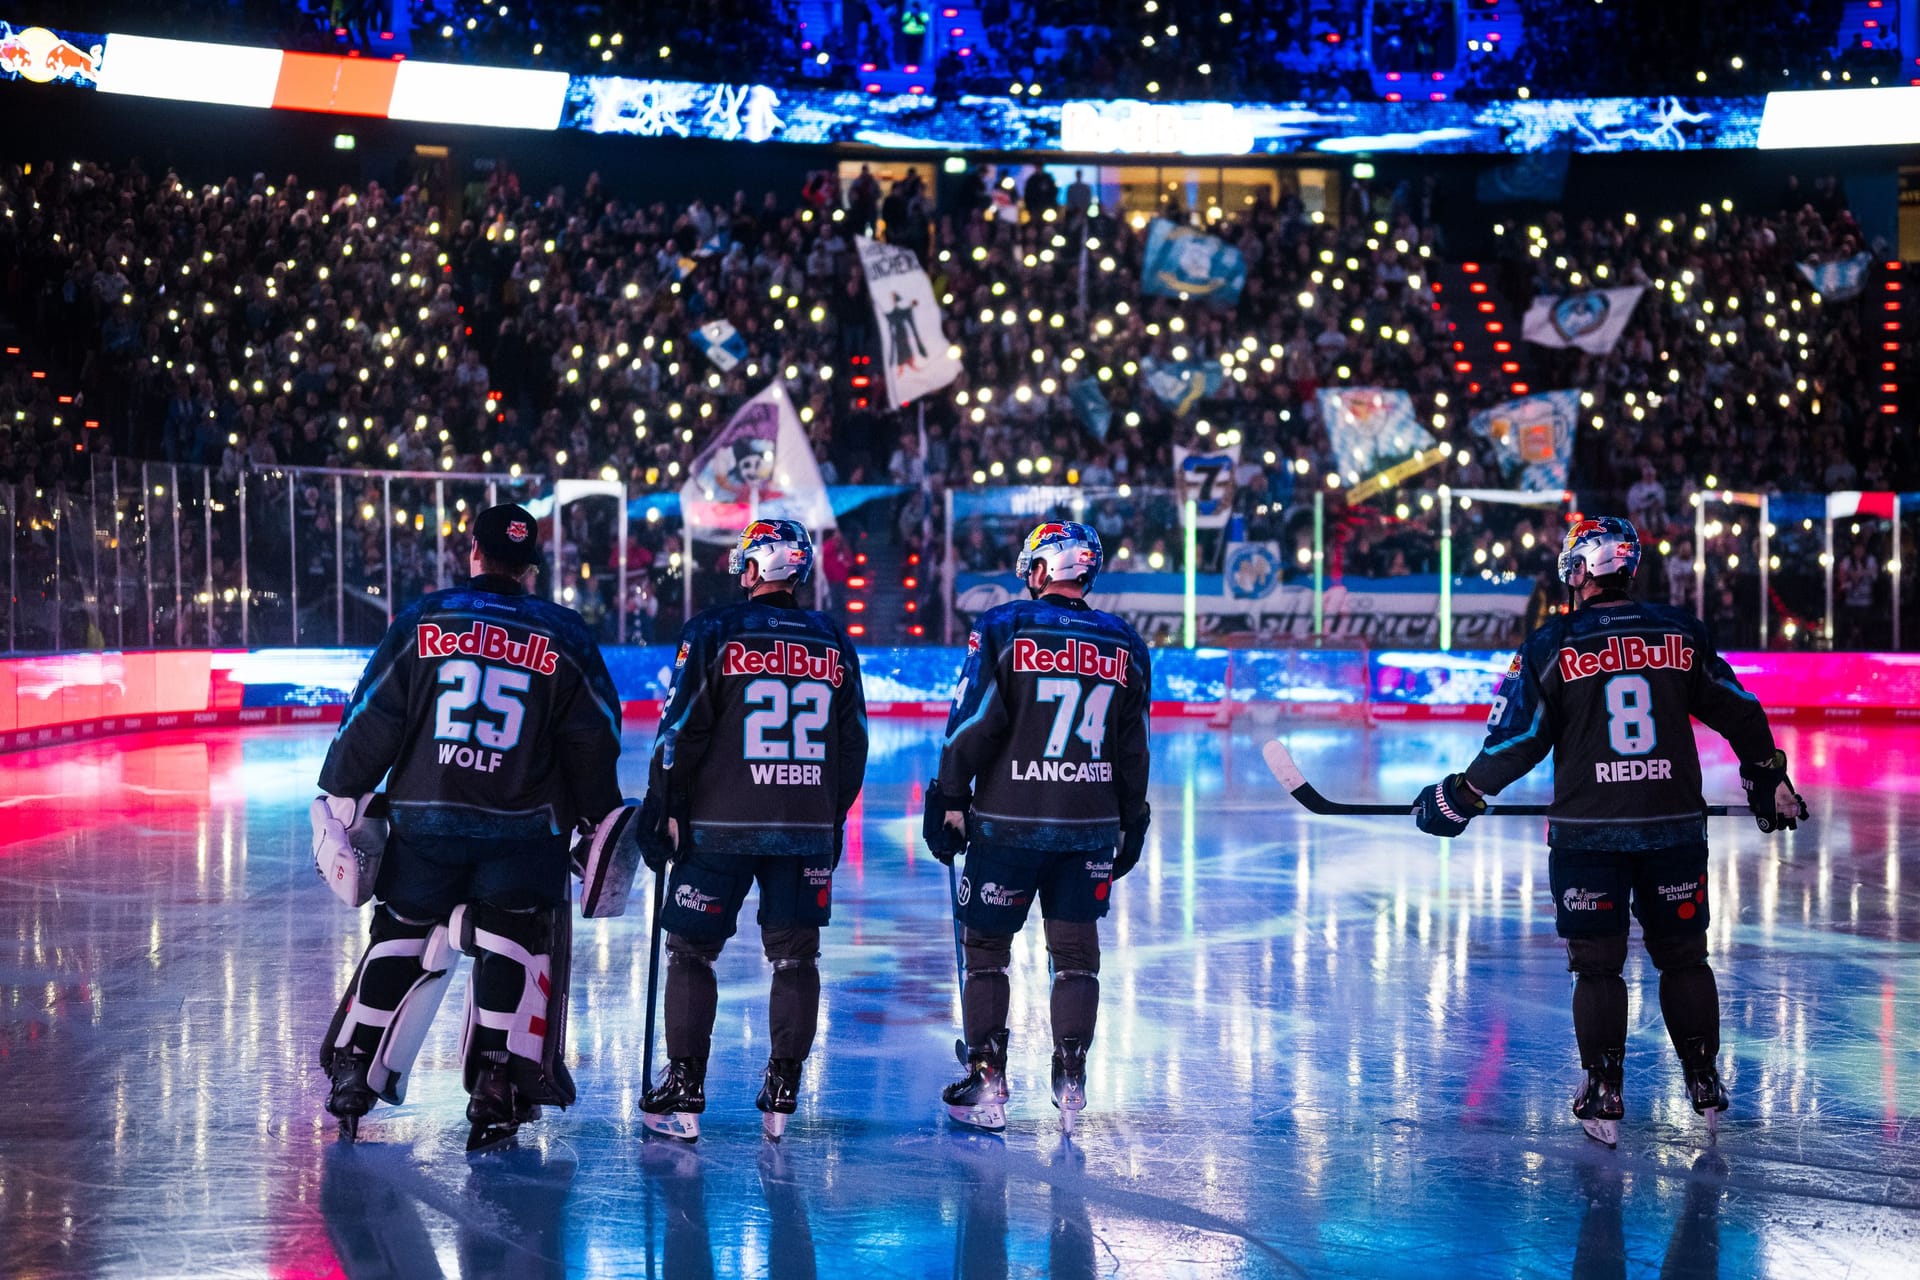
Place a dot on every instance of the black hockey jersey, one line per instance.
(1610, 690)
(1050, 726)
(495, 714)
(763, 740)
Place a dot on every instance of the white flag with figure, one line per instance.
(913, 346)
(1592, 321)
(759, 467)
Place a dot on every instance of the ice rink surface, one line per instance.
(1327, 1047)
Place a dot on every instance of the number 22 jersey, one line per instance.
(1050, 725)
(1611, 690)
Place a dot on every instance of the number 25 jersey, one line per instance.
(1050, 725)
(495, 713)
(1611, 690)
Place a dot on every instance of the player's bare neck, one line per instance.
(1065, 600)
(498, 583)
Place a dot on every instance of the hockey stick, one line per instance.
(653, 980)
(959, 944)
(1287, 774)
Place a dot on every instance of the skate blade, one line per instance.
(773, 1125)
(1712, 1116)
(684, 1126)
(990, 1117)
(1606, 1132)
(485, 1138)
(349, 1129)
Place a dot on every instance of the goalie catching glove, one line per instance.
(946, 839)
(349, 837)
(606, 859)
(1776, 805)
(1446, 807)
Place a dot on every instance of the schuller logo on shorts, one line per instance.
(1685, 898)
(1585, 900)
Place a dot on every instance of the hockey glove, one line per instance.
(657, 839)
(1445, 808)
(349, 837)
(945, 839)
(1776, 805)
(1133, 839)
(605, 859)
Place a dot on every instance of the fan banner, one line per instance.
(1182, 262)
(721, 343)
(1370, 427)
(1592, 321)
(1206, 480)
(913, 346)
(1532, 436)
(759, 467)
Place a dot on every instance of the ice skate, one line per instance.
(779, 1095)
(1705, 1090)
(672, 1108)
(496, 1110)
(1070, 1081)
(1598, 1105)
(980, 1100)
(351, 1097)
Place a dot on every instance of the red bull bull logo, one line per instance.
(42, 56)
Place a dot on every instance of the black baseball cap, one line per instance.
(507, 534)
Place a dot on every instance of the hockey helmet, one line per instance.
(781, 548)
(1070, 551)
(1605, 544)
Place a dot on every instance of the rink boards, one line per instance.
(53, 698)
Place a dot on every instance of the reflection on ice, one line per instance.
(1327, 1046)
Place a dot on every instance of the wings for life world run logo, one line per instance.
(42, 56)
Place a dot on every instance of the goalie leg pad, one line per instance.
(392, 1000)
(517, 1002)
(608, 864)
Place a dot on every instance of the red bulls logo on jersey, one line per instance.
(1628, 653)
(785, 658)
(490, 643)
(1073, 658)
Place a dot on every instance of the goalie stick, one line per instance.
(1287, 774)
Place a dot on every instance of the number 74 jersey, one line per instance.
(1049, 727)
(1612, 691)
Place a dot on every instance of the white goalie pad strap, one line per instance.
(526, 1025)
(349, 837)
(361, 1014)
(612, 859)
(407, 1026)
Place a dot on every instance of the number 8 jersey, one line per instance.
(764, 736)
(1611, 691)
(1050, 725)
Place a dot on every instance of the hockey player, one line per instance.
(1042, 774)
(1609, 690)
(761, 752)
(492, 717)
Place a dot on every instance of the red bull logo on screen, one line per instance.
(42, 56)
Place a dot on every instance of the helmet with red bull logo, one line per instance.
(1604, 544)
(781, 548)
(1069, 550)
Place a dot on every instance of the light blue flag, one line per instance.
(1095, 414)
(1181, 261)
(721, 343)
(1840, 280)
(1532, 437)
(1180, 384)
